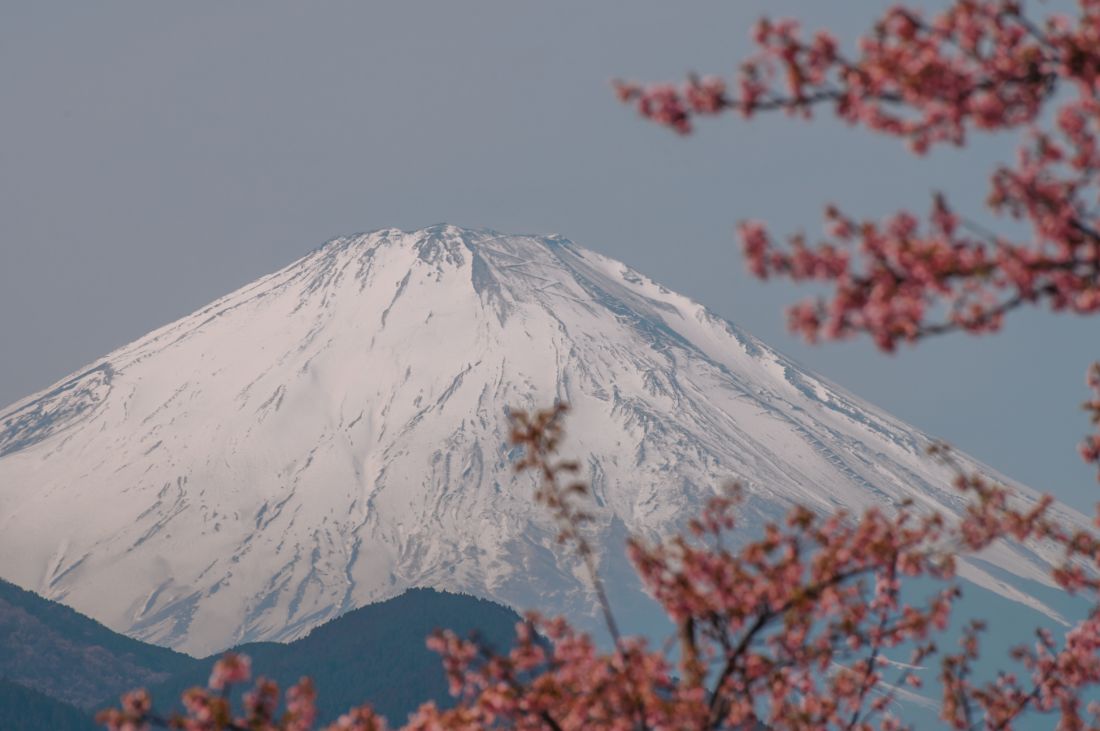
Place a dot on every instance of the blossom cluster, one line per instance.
(1090, 448)
(210, 709)
(977, 65)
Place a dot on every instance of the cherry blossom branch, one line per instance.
(539, 435)
(976, 65)
(506, 673)
(1090, 448)
(870, 678)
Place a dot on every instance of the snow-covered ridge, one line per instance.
(336, 432)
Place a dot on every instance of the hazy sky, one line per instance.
(154, 156)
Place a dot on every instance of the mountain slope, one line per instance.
(69, 657)
(336, 432)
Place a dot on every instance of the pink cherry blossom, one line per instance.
(790, 628)
(229, 670)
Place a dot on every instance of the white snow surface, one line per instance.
(336, 432)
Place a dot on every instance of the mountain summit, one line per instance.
(336, 432)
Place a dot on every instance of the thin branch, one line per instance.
(876, 648)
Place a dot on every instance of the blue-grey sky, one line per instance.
(154, 156)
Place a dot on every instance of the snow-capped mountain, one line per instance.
(336, 432)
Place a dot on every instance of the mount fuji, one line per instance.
(336, 432)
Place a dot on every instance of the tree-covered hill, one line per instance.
(375, 654)
(58, 666)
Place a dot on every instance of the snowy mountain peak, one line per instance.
(336, 432)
